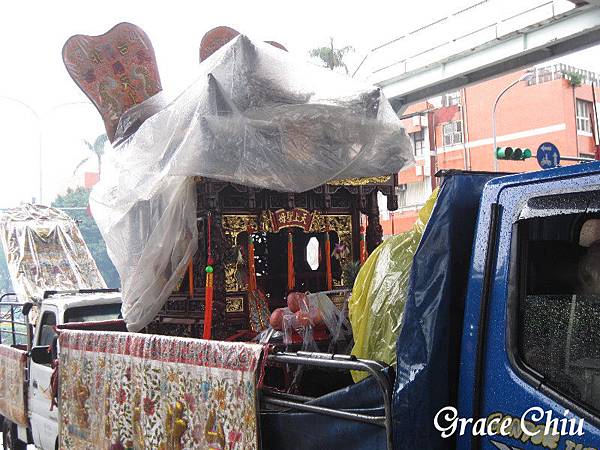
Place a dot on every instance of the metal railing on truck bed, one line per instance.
(339, 362)
(13, 324)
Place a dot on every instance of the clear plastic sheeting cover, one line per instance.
(151, 241)
(380, 292)
(13, 363)
(125, 390)
(255, 116)
(314, 310)
(44, 251)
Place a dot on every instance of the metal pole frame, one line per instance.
(523, 77)
(332, 361)
(39, 126)
(12, 322)
(39, 118)
(577, 158)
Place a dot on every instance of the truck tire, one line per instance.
(10, 441)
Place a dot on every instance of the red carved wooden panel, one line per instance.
(116, 70)
(216, 38)
(277, 44)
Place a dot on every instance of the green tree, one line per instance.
(330, 56)
(5, 283)
(97, 148)
(79, 198)
(574, 78)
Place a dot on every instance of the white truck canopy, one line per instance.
(45, 250)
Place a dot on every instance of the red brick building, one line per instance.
(455, 131)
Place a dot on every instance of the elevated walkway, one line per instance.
(482, 41)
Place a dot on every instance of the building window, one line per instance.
(452, 133)
(415, 194)
(583, 115)
(451, 98)
(418, 139)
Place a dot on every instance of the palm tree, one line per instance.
(332, 57)
(97, 148)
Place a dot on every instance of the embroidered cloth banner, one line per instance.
(136, 391)
(12, 381)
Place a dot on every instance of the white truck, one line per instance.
(56, 281)
(26, 369)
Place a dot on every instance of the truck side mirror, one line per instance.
(41, 355)
(26, 308)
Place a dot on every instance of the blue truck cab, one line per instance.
(530, 347)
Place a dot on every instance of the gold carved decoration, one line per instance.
(297, 217)
(236, 224)
(233, 225)
(234, 304)
(232, 283)
(266, 222)
(360, 181)
(274, 221)
(342, 225)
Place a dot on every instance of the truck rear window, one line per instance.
(93, 313)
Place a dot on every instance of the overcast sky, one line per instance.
(32, 34)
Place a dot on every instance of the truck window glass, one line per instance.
(559, 302)
(47, 328)
(95, 313)
(568, 203)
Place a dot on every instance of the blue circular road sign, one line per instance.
(548, 155)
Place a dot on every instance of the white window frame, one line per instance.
(419, 144)
(452, 133)
(415, 194)
(583, 110)
(451, 98)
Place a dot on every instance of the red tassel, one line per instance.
(361, 247)
(291, 273)
(328, 259)
(251, 267)
(208, 301)
(191, 278)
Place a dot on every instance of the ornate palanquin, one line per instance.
(118, 70)
(270, 215)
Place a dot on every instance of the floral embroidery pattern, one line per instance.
(12, 380)
(156, 392)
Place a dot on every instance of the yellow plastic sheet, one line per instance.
(379, 293)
